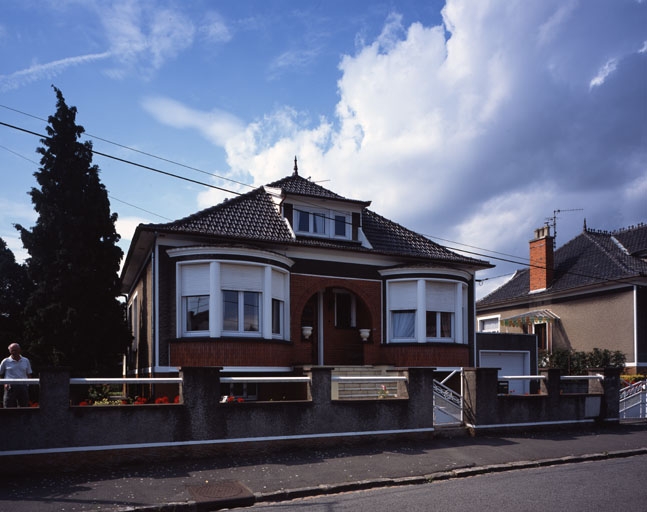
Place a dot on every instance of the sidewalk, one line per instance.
(229, 481)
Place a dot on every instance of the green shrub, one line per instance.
(578, 362)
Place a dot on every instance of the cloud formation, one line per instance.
(484, 125)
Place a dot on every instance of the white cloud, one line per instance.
(217, 126)
(608, 68)
(476, 130)
(214, 28)
(47, 70)
(143, 37)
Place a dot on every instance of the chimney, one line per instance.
(541, 260)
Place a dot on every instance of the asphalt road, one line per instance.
(259, 476)
(613, 484)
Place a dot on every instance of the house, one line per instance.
(293, 274)
(590, 293)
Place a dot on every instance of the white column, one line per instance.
(421, 312)
(215, 301)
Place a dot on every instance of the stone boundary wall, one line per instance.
(484, 407)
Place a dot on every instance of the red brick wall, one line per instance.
(541, 263)
(422, 354)
(240, 352)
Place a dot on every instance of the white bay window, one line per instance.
(427, 310)
(222, 298)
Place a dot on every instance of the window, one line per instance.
(311, 222)
(241, 311)
(196, 313)
(322, 222)
(403, 324)
(427, 310)
(489, 324)
(217, 298)
(277, 317)
(340, 226)
(440, 324)
(194, 303)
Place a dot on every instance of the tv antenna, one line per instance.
(552, 221)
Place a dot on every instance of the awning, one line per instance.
(540, 316)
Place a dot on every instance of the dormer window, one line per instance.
(313, 222)
(325, 223)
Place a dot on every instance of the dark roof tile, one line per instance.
(591, 258)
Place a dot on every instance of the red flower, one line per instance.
(84, 402)
(176, 400)
(240, 400)
(161, 400)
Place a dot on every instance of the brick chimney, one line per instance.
(541, 260)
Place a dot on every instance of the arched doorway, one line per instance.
(336, 315)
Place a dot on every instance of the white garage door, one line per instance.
(510, 363)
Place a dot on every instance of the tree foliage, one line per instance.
(578, 362)
(73, 316)
(14, 290)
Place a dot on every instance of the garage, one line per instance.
(510, 363)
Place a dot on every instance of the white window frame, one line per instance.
(241, 319)
(271, 282)
(329, 218)
(413, 294)
(483, 320)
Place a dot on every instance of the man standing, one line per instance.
(15, 367)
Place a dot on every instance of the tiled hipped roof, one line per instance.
(591, 258)
(253, 217)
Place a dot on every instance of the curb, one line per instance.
(362, 485)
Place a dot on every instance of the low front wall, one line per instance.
(485, 407)
(201, 417)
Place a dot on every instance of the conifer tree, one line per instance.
(73, 316)
(14, 289)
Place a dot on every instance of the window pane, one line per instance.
(304, 221)
(277, 315)
(446, 325)
(229, 310)
(318, 223)
(340, 225)
(404, 324)
(252, 311)
(197, 313)
(432, 324)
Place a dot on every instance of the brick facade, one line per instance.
(541, 260)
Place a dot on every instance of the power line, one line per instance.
(166, 173)
(151, 155)
(129, 162)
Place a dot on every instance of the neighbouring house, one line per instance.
(590, 293)
(292, 274)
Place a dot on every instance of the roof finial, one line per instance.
(296, 167)
(584, 223)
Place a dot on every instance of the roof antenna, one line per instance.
(296, 168)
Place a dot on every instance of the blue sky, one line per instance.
(470, 121)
